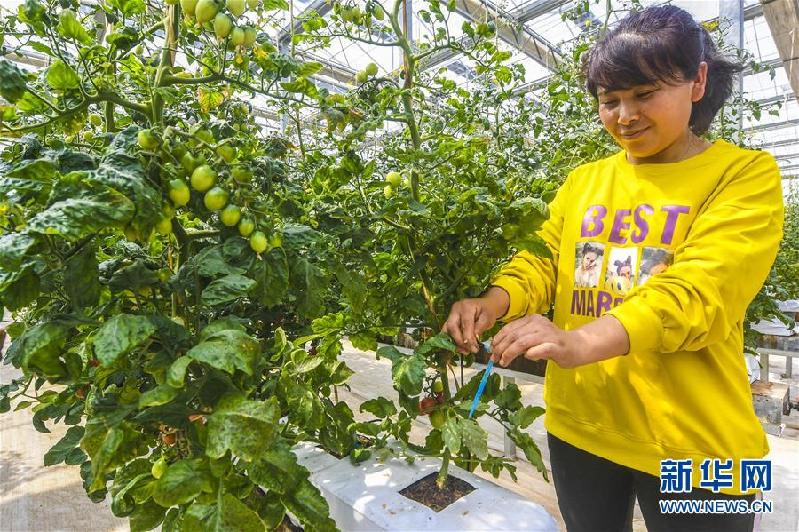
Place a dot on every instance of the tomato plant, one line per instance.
(143, 319)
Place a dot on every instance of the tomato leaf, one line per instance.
(39, 348)
(146, 516)
(59, 452)
(228, 350)
(77, 209)
(227, 289)
(524, 417)
(310, 507)
(158, 396)
(451, 434)
(272, 276)
(474, 438)
(408, 373)
(246, 428)
(62, 77)
(176, 374)
(525, 442)
(380, 407)
(439, 341)
(81, 281)
(120, 335)
(182, 482)
(70, 27)
(29, 180)
(12, 81)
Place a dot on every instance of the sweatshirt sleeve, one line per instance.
(530, 280)
(717, 270)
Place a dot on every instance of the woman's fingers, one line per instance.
(516, 348)
(509, 333)
(469, 317)
(540, 352)
(453, 327)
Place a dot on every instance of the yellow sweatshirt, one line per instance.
(676, 252)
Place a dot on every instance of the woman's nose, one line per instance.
(628, 113)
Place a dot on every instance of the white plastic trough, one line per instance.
(366, 497)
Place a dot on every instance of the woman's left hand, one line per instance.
(536, 337)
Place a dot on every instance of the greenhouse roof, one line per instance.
(539, 32)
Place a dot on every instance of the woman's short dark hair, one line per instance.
(661, 43)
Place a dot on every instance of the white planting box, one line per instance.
(366, 497)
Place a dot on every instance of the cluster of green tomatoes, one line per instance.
(203, 179)
(394, 180)
(209, 14)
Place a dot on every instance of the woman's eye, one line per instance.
(645, 95)
(609, 103)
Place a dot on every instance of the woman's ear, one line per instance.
(700, 82)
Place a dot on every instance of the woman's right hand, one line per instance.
(471, 317)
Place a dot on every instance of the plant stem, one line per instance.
(441, 481)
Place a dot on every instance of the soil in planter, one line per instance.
(426, 491)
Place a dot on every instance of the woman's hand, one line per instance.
(469, 318)
(536, 337)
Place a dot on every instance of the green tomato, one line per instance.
(241, 175)
(205, 11)
(203, 178)
(258, 242)
(275, 240)
(371, 69)
(362, 76)
(237, 36)
(179, 192)
(147, 140)
(378, 12)
(252, 4)
(438, 418)
(236, 7)
(159, 468)
(171, 2)
(95, 119)
(250, 36)
(188, 162)
(438, 386)
(227, 152)
(222, 26)
(188, 7)
(178, 151)
(164, 226)
(205, 136)
(394, 179)
(246, 227)
(230, 215)
(388, 191)
(215, 199)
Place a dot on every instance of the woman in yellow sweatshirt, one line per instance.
(647, 392)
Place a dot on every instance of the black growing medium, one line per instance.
(427, 492)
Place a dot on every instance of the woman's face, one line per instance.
(589, 259)
(646, 120)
